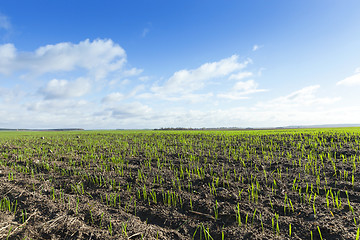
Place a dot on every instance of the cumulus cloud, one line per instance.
(98, 57)
(353, 80)
(241, 90)
(61, 102)
(187, 81)
(60, 88)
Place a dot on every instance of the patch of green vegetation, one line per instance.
(262, 179)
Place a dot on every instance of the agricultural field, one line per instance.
(274, 184)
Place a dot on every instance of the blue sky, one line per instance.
(150, 64)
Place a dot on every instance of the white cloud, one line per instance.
(60, 102)
(241, 90)
(304, 97)
(7, 58)
(113, 97)
(131, 110)
(59, 107)
(240, 76)
(98, 57)
(8, 96)
(353, 80)
(6, 28)
(257, 47)
(187, 81)
(188, 97)
(357, 70)
(57, 113)
(144, 78)
(56, 88)
(115, 82)
(300, 107)
(264, 116)
(4, 22)
(132, 72)
(137, 89)
(246, 86)
(117, 96)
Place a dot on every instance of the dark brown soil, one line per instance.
(180, 186)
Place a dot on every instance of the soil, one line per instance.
(75, 187)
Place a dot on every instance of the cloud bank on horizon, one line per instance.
(97, 83)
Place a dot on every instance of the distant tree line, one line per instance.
(57, 129)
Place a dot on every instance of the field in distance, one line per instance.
(269, 184)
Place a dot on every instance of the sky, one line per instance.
(136, 64)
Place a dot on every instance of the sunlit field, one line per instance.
(268, 184)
